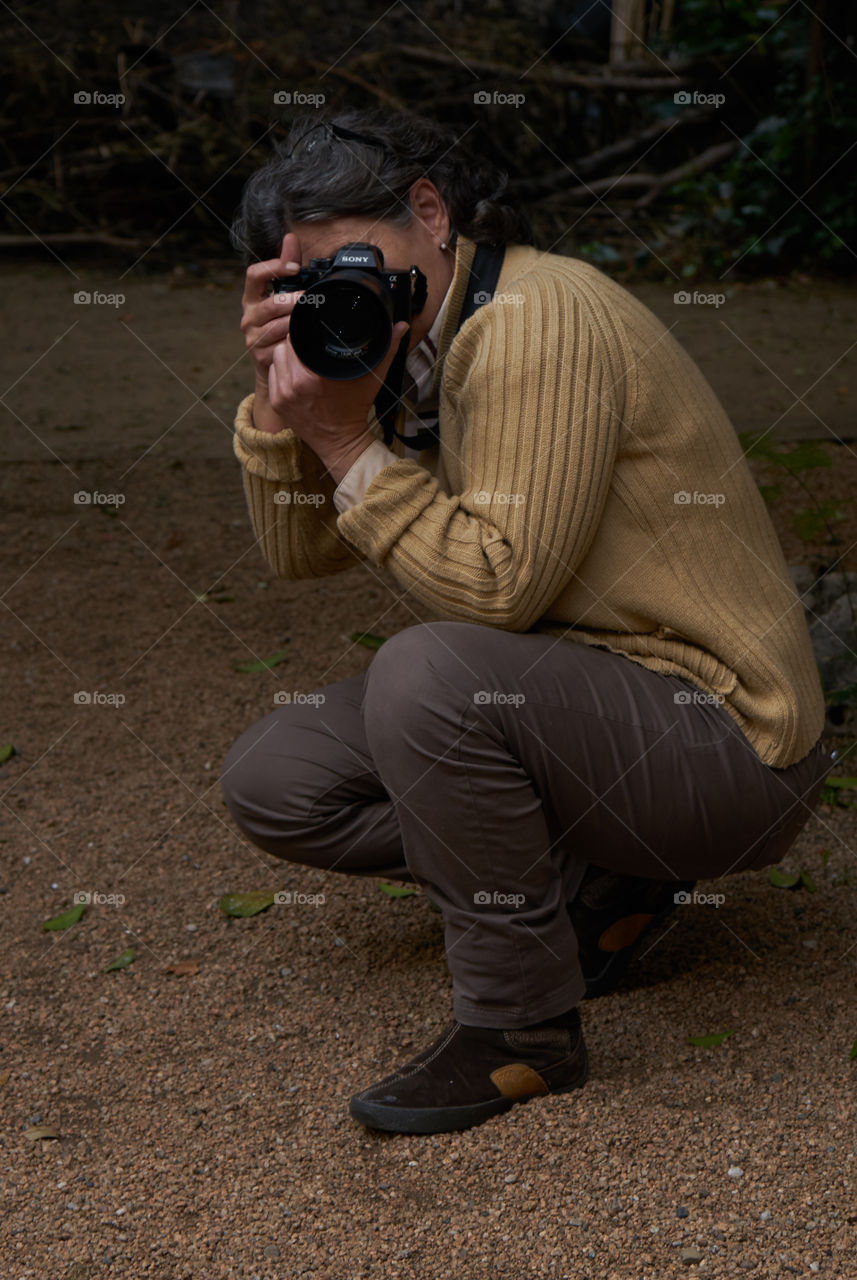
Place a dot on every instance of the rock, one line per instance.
(681, 1212)
(828, 604)
(804, 579)
(735, 1171)
(691, 1255)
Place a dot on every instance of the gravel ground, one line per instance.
(200, 1096)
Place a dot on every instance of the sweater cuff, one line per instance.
(396, 497)
(361, 473)
(272, 455)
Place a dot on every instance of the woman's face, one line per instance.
(417, 243)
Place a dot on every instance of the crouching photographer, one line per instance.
(620, 696)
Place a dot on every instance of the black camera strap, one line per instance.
(484, 274)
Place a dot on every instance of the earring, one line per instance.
(444, 245)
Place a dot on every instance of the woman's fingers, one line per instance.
(260, 274)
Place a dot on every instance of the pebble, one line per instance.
(765, 1215)
(511, 1177)
(271, 1251)
(735, 1171)
(691, 1255)
(681, 1212)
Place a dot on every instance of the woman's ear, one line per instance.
(430, 208)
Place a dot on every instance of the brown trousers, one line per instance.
(492, 767)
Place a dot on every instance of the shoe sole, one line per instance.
(613, 972)
(378, 1115)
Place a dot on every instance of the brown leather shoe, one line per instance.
(611, 916)
(469, 1074)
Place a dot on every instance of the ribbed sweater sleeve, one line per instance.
(290, 501)
(532, 401)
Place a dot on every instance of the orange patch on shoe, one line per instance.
(624, 932)
(517, 1080)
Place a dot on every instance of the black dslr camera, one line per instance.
(342, 326)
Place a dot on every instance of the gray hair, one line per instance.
(317, 175)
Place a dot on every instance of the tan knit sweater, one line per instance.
(588, 485)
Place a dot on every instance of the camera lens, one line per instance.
(348, 320)
(342, 326)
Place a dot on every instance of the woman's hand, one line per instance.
(265, 322)
(331, 417)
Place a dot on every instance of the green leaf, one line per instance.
(366, 637)
(853, 1054)
(710, 1042)
(761, 446)
(121, 962)
(840, 781)
(247, 904)
(397, 890)
(6, 752)
(264, 664)
(808, 454)
(67, 919)
(784, 879)
(808, 882)
(770, 492)
(812, 521)
(837, 696)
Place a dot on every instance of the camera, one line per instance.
(343, 325)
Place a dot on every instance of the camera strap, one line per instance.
(484, 274)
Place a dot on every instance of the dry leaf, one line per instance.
(4, 1077)
(40, 1131)
(183, 968)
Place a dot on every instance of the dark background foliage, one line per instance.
(610, 165)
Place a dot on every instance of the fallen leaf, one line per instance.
(67, 919)
(710, 1042)
(397, 890)
(247, 904)
(264, 664)
(808, 882)
(4, 1077)
(368, 639)
(784, 879)
(6, 752)
(853, 1054)
(121, 962)
(40, 1131)
(183, 968)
